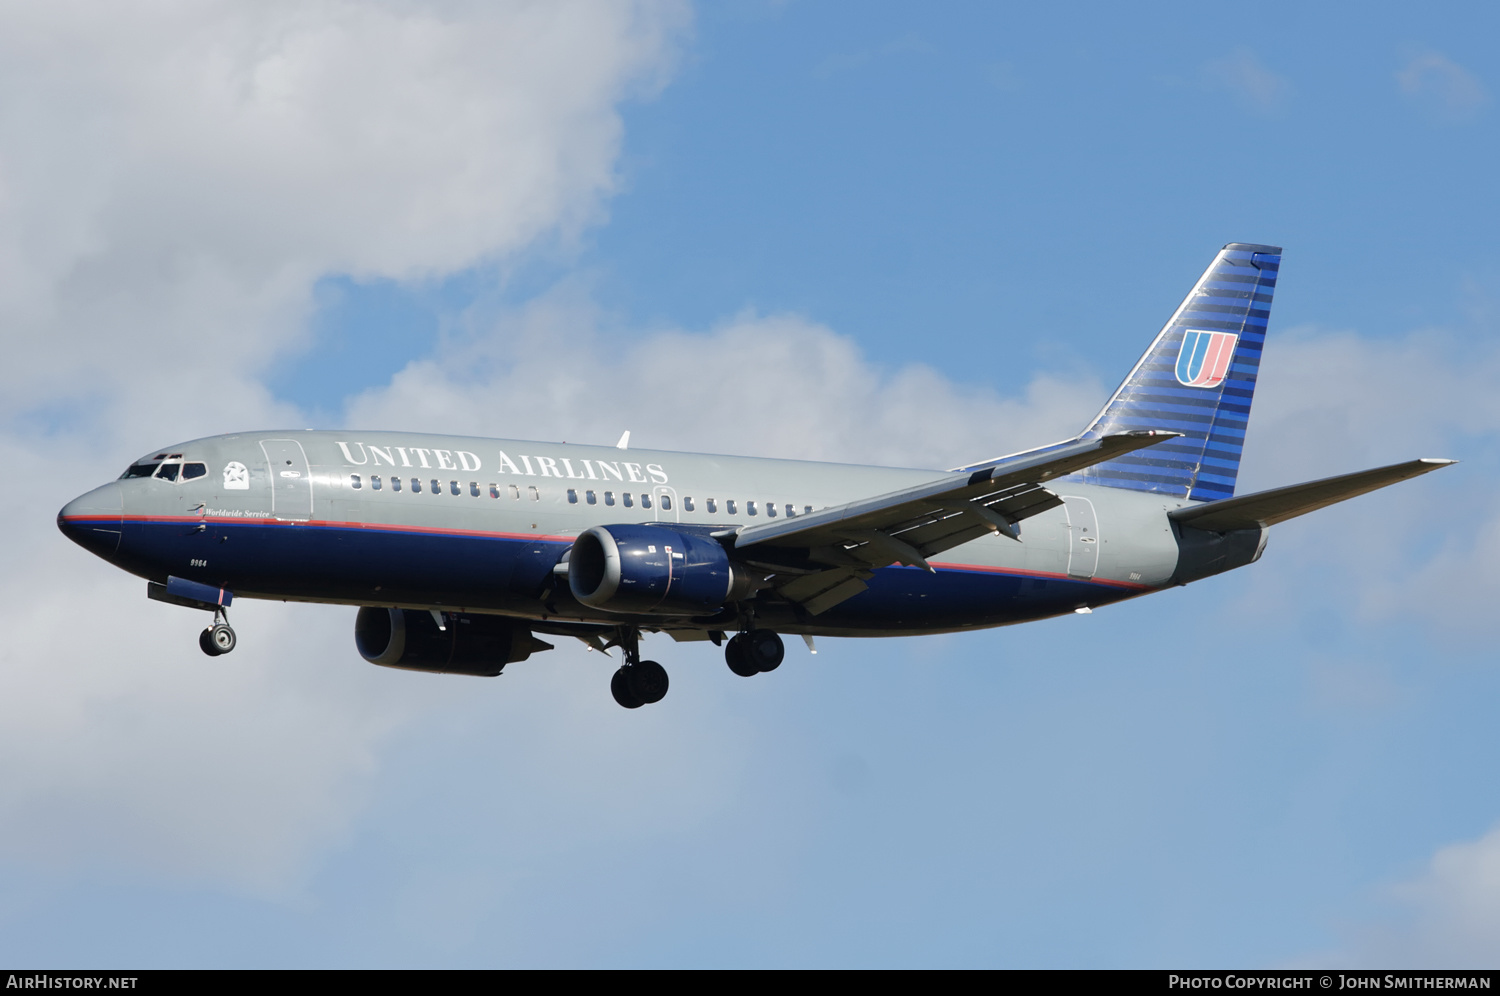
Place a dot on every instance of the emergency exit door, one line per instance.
(1083, 537)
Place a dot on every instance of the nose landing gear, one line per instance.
(752, 652)
(218, 638)
(637, 682)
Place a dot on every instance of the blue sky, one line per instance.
(913, 236)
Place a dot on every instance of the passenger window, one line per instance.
(713, 507)
(416, 486)
(453, 488)
(535, 494)
(625, 499)
(789, 510)
(590, 498)
(729, 505)
(168, 471)
(666, 503)
(494, 491)
(191, 471)
(609, 497)
(807, 510)
(375, 481)
(354, 482)
(474, 488)
(687, 503)
(515, 492)
(749, 508)
(645, 501)
(395, 484)
(771, 509)
(572, 496)
(437, 486)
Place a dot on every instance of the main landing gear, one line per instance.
(637, 682)
(219, 638)
(754, 651)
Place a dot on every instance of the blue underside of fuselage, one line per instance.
(356, 565)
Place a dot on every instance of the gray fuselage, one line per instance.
(479, 525)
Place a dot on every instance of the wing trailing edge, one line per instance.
(1266, 508)
(989, 494)
(823, 558)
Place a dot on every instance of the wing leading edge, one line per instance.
(821, 559)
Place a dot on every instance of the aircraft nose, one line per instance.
(93, 520)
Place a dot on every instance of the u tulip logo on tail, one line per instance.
(1204, 358)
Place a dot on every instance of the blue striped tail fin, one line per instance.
(1198, 379)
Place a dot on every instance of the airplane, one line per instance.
(459, 551)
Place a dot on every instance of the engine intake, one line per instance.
(651, 569)
(470, 644)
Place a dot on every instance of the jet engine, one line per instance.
(652, 569)
(466, 644)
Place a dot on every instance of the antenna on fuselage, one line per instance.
(624, 443)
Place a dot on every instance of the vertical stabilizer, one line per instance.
(1197, 378)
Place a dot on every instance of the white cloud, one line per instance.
(1256, 87)
(1447, 90)
(1334, 402)
(1446, 917)
(174, 178)
(1458, 902)
(760, 385)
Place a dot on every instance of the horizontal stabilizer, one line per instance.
(1266, 508)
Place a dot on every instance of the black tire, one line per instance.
(648, 680)
(206, 643)
(738, 658)
(764, 649)
(619, 687)
(223, 638)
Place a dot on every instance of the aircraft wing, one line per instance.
(819, 559)
(1266, 508)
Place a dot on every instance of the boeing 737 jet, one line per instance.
(459, 551)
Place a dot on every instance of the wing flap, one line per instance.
(817, 593)
(1266, 508)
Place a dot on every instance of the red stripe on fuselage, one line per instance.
(537, 537)
(234, 520)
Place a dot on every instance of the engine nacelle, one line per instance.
(651, 569)
(469, 644)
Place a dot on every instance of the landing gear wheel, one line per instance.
(737, 657)
(206, 643)
(764, 649)
(619, 686)
(648, 680)
(222, 637)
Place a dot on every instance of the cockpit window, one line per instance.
(168, 471)
(139, 470)
(193, 470)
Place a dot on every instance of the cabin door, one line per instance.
(291, 479)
